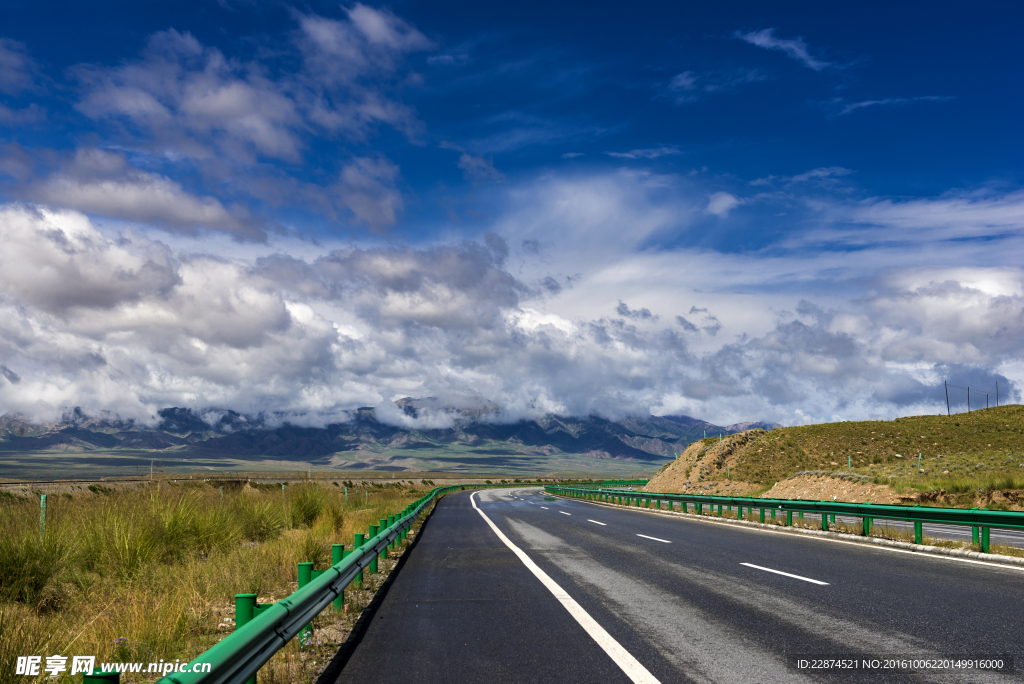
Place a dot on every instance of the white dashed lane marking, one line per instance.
(663, 541)
(597, 523)
(779, 572)
(564, 513)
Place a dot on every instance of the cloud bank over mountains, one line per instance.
(128, 324)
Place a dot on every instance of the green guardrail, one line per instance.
(980, 520)
(263, 629)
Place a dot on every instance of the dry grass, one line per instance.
(145, 575)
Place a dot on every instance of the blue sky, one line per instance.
(739, 211)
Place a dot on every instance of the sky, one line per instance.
(793, 212)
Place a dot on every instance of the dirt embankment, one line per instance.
(706, 468)
(822, 487)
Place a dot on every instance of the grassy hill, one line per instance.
(982, 450)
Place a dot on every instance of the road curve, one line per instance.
(689, 601)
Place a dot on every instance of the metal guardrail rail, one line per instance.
(605, 483)
(238, 657)
(980, 520)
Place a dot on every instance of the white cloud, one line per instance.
(31, 114)
(448, 60)
(198, 102)
(381, 27)
(690, 86)
(182, 90)
(100, 182)
(820, 173)
(367, 189)
(843, 107)
(794, 48)
(647, 153)
(347, 65)
(823, 176)
(17, 68)
(956, 216)
(479, 169)
(721, 203)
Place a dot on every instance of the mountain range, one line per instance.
(365, 442)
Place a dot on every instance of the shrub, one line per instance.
(260, 520)
(307, 505)
(28, 566)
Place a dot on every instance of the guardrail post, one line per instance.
(106, 677)
(824, 521)
(374, 531)
(305, 576)
(866, 523)
(719, 510)
(356, 545)
(245, 610)
(698, 508)
(918, 533)
(762, 515)
(789, 518)
(384, 526)
(739, 512)
(984, 539)
(337, 554)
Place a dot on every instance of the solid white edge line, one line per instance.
(787, 574)
(663, 541)
(597, 523)
(623, 658)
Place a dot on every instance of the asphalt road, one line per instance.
(617, 595)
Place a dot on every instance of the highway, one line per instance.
(510, 586)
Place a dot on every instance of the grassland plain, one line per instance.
(149, 574)
(967, 460)
(489, 460)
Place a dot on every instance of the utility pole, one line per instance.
(968, 399)
(946, 385)
(997, 393)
